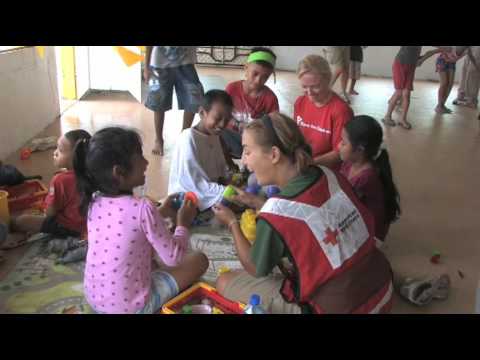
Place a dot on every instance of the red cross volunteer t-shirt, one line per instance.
(63, 195)
(246, 108)
(322, 126)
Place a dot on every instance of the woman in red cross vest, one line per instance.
(314, 250)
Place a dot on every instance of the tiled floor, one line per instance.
(435, 166)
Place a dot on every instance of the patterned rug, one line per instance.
(37, 286)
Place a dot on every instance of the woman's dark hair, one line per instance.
(366, 134)
(94, 160)
(75, 136)
(261, 62)
(216, 96)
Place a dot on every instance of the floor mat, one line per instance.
(37, 286)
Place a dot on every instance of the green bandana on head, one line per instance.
(261, 56)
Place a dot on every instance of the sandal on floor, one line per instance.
(441, 287)
(389, 122)
(418, 292)
(422, 292)
(406, 126)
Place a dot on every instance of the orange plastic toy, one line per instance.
(25, 154)
(192, 197)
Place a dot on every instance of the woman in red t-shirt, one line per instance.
(321, 114)
(251, 97)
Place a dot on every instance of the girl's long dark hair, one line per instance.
(94, 160)
(365, 132)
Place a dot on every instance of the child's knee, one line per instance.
(202, 261)
(222, 282)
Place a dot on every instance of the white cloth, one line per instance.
(196, 164)
(173, 56)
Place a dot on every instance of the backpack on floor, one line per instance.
(10, 176)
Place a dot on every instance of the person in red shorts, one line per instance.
(404, 66)
(62, 217)
(320, 114)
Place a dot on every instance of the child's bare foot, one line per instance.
(388, 121)
(353, 92)
(405, 124)
(442, 110)
(158, 148)
(345, 97)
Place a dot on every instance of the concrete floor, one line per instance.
(435, 167)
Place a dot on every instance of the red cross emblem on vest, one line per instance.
(331, 237)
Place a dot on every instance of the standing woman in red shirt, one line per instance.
(321, 114)
(62, 217)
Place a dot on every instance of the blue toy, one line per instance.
(272, 190)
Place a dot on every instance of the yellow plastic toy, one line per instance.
(223, 270)
(248, 225)
(4, 211)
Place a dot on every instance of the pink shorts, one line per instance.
(403, 75)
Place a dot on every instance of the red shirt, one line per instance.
(246, 108)
(369, 189)
(322, 126)
(63, 195)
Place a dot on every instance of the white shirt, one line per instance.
(196, 164)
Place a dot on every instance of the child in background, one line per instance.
(339, 58)
(403, 69)
(367, 167)
(470, 82)
(445, 67)
(251, 97)
(124, 229)
(356, 59)
(198, 163)
(62, 218)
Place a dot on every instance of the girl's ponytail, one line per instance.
(392, 197)
(85, 183)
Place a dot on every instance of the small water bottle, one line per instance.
(254, 306)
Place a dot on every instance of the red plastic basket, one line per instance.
(196, 294)
(25, 196)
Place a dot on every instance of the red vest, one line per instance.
(329, 235)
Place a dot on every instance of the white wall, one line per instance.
(109, 72)
(82, 70)
(378, 60)
(28, 96)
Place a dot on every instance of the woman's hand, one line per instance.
(252, 201)
(224, 214)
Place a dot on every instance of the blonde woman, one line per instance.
(320, 113)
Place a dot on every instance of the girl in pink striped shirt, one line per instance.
(124, 230)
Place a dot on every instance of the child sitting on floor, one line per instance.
(367, 167)
(124, 229)
(198, 162)
(251, 97)
(62, 217)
